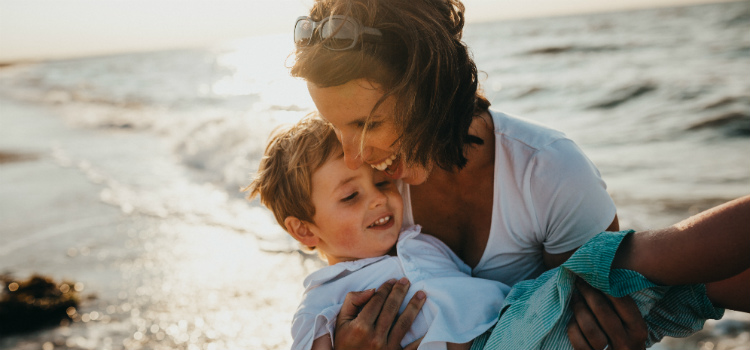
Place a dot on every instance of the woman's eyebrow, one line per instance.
(362, 120)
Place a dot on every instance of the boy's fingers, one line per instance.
(353, 302)
(589, 333)
(405, 320)
(391, 306)
(371, 311)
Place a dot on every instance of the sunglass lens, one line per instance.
(303, 31)
(339, 34)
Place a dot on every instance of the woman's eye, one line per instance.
(383, 184)
(350, 197)
(370, 125)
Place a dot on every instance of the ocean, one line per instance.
(132, 164)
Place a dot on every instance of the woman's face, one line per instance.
(348, 107)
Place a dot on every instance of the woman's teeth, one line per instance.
(385, 164)
(381, 221)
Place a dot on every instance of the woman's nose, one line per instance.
(350, 144)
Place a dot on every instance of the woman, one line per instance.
(510, 197)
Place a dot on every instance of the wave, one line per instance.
(728, 101)
(731, 123)
(623, 95)
(740, 19)
(552, 50)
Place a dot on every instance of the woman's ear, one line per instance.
(300, 230)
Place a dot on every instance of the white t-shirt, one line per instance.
(458, 307)
(547, 196)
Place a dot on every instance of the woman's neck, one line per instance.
(456, 206)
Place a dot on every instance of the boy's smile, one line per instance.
(358, 213)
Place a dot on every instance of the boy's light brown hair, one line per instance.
(293, 154)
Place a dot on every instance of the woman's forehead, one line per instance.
(348, 103)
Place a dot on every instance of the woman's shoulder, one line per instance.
(511, 129)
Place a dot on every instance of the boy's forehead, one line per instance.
(335, 173)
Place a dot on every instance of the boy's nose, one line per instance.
(379, 199)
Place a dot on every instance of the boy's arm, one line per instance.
(708, 247)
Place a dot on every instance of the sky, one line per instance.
(48, 29)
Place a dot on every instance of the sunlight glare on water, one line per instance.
(259, 66)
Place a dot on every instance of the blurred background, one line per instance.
(127, 128)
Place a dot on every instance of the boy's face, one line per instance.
(358, 212)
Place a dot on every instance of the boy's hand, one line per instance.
(369, 320)
(602, 322)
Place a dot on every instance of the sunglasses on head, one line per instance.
(336, 32)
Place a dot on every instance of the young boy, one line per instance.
(353, 218)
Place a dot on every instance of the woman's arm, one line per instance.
(554, 260)
(708, 247)
(712, 247)
(731, 293)
(370, 320)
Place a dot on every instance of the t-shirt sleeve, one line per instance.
(569, 197)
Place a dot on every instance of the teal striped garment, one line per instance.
(536, 313)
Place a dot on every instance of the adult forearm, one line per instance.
(706, 247)
(731, 293)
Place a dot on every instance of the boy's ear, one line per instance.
(300, 230)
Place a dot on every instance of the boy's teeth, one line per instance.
(381, 221)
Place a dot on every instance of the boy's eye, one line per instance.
(350, 197)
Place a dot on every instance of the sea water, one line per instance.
(658, 99)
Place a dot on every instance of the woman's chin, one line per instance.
(416, 175)
(394, 171)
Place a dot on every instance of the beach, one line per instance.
(153, 280)
(123, 172)
(150, 281)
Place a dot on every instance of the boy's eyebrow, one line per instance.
(347, 180)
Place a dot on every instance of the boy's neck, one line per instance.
(332, 261)
(393, 251)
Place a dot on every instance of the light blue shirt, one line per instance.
(458, 307)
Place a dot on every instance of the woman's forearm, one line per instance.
(731, 293)
(711, 246)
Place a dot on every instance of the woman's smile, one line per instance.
(384, 164)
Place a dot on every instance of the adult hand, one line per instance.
(602, 322)
(369, 320)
